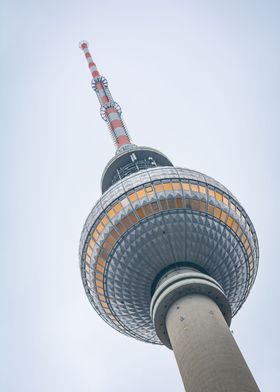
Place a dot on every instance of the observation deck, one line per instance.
(131, 160)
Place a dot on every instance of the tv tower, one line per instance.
(168, 256)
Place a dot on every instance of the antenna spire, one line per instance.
(110, 111)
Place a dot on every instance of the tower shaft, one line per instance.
(206, 352)
(192, 316)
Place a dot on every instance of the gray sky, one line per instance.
(197, 80)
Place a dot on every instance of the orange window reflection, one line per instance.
(229, 221)
(155, 206)
(159, 188)
(101, 262)
(219, 196)
(211, 209)
(163, 204)
(111, 213)
(194, 188)
(186, 186)
(140, 213)
(196, 205)
(202, 189)
(147, 208)
(99, 283)
(132, 197)
(202, 206)
(141, 193)
(179, 202)
(118, 207)
(211, 193)
(104, 220)
(168, 186)
(217, 212)
(120, 227)
(132, 217)
(171, 203)
(100, 290)
(115, 234)
(223, 216)
(176, 186)
(99, 268)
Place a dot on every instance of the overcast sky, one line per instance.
(198, 80)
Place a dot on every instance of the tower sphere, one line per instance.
(153, 217)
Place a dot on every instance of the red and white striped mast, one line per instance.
(110, 111)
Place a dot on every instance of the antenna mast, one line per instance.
(110, 111)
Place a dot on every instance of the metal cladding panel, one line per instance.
(155, 218)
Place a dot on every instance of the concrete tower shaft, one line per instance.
(206, 352)
(192, 315)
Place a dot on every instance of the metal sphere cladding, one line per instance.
(151, 216)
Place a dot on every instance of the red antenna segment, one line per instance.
(110, 111)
